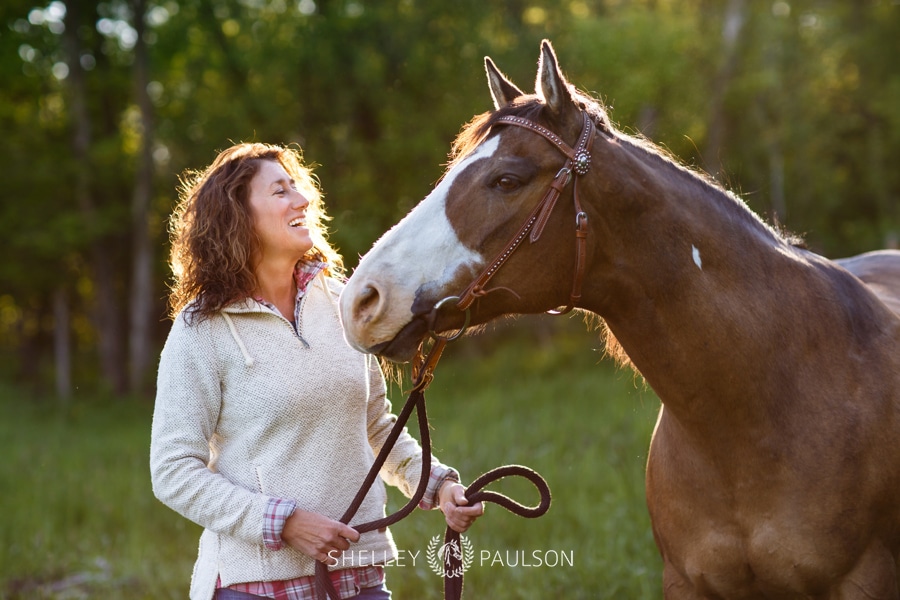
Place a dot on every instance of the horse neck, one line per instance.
(683, 275)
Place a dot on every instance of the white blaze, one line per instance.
(422, 248)
(424, 244)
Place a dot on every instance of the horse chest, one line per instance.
(719, 561)
(723, 541)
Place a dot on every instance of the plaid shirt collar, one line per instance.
(304, 271)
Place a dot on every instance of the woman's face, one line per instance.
(279, 213)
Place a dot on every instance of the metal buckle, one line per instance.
(449, 338)
(567, 172)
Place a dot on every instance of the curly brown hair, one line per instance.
(212, 233)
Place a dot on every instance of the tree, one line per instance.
(106, 102)
(140, 300)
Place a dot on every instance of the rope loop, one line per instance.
(453, 586)
(476, 492)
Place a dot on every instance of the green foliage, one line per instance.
(80, 518)
(830, 117)
(374, 92)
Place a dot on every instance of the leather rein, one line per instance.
(578, 161)
(423, 374)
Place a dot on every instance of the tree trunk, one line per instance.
(732, 26)
(104, 312)
(776, 181)
(141, 297)
(62, 349)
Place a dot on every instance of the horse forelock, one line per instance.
(526, 107)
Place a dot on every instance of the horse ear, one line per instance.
(551, 84)
(503, 91)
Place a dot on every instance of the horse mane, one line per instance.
(673, 164)
(531, 107)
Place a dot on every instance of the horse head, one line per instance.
(497, 176)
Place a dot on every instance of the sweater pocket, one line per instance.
(259, 479)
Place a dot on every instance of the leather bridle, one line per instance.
(578, 162)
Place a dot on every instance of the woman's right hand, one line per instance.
(318, 536)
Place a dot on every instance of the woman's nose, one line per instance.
(299, 200)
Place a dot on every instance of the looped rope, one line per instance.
(423, 374)
(453, 586)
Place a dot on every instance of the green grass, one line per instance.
(79, 519)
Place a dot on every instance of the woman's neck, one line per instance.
(275, 284)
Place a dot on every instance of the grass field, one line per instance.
(79, 519)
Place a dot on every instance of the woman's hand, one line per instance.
(454, 505)
(318, 536)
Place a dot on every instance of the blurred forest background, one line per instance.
(793, 104)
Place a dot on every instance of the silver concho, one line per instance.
(582, 162)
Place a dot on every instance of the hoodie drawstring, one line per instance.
(248, 360)
(335, 305)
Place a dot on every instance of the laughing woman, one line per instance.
(266, 421)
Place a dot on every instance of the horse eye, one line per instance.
(507, 183)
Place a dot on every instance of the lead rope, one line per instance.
(577, 162)
(422, 377)
(423, 374)
(453, 561)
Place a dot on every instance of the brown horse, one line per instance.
(774, 469)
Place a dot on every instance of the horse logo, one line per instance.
(439, 556)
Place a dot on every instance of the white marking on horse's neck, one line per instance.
(696, 254)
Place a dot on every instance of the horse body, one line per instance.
(772, 473)
(773, 470)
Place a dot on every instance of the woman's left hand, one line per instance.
(456, 509)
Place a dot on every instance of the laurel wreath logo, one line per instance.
(438, 556)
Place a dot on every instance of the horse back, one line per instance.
(880, 272)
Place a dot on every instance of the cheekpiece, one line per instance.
(581, 163)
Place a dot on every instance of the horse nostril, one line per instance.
(366, 305)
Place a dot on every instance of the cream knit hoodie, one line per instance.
(246, 412)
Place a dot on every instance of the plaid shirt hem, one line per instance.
(347, 582)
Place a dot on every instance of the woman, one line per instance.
(266, 421)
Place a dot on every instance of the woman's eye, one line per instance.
(507, 183)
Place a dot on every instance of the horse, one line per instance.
(774, 465)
